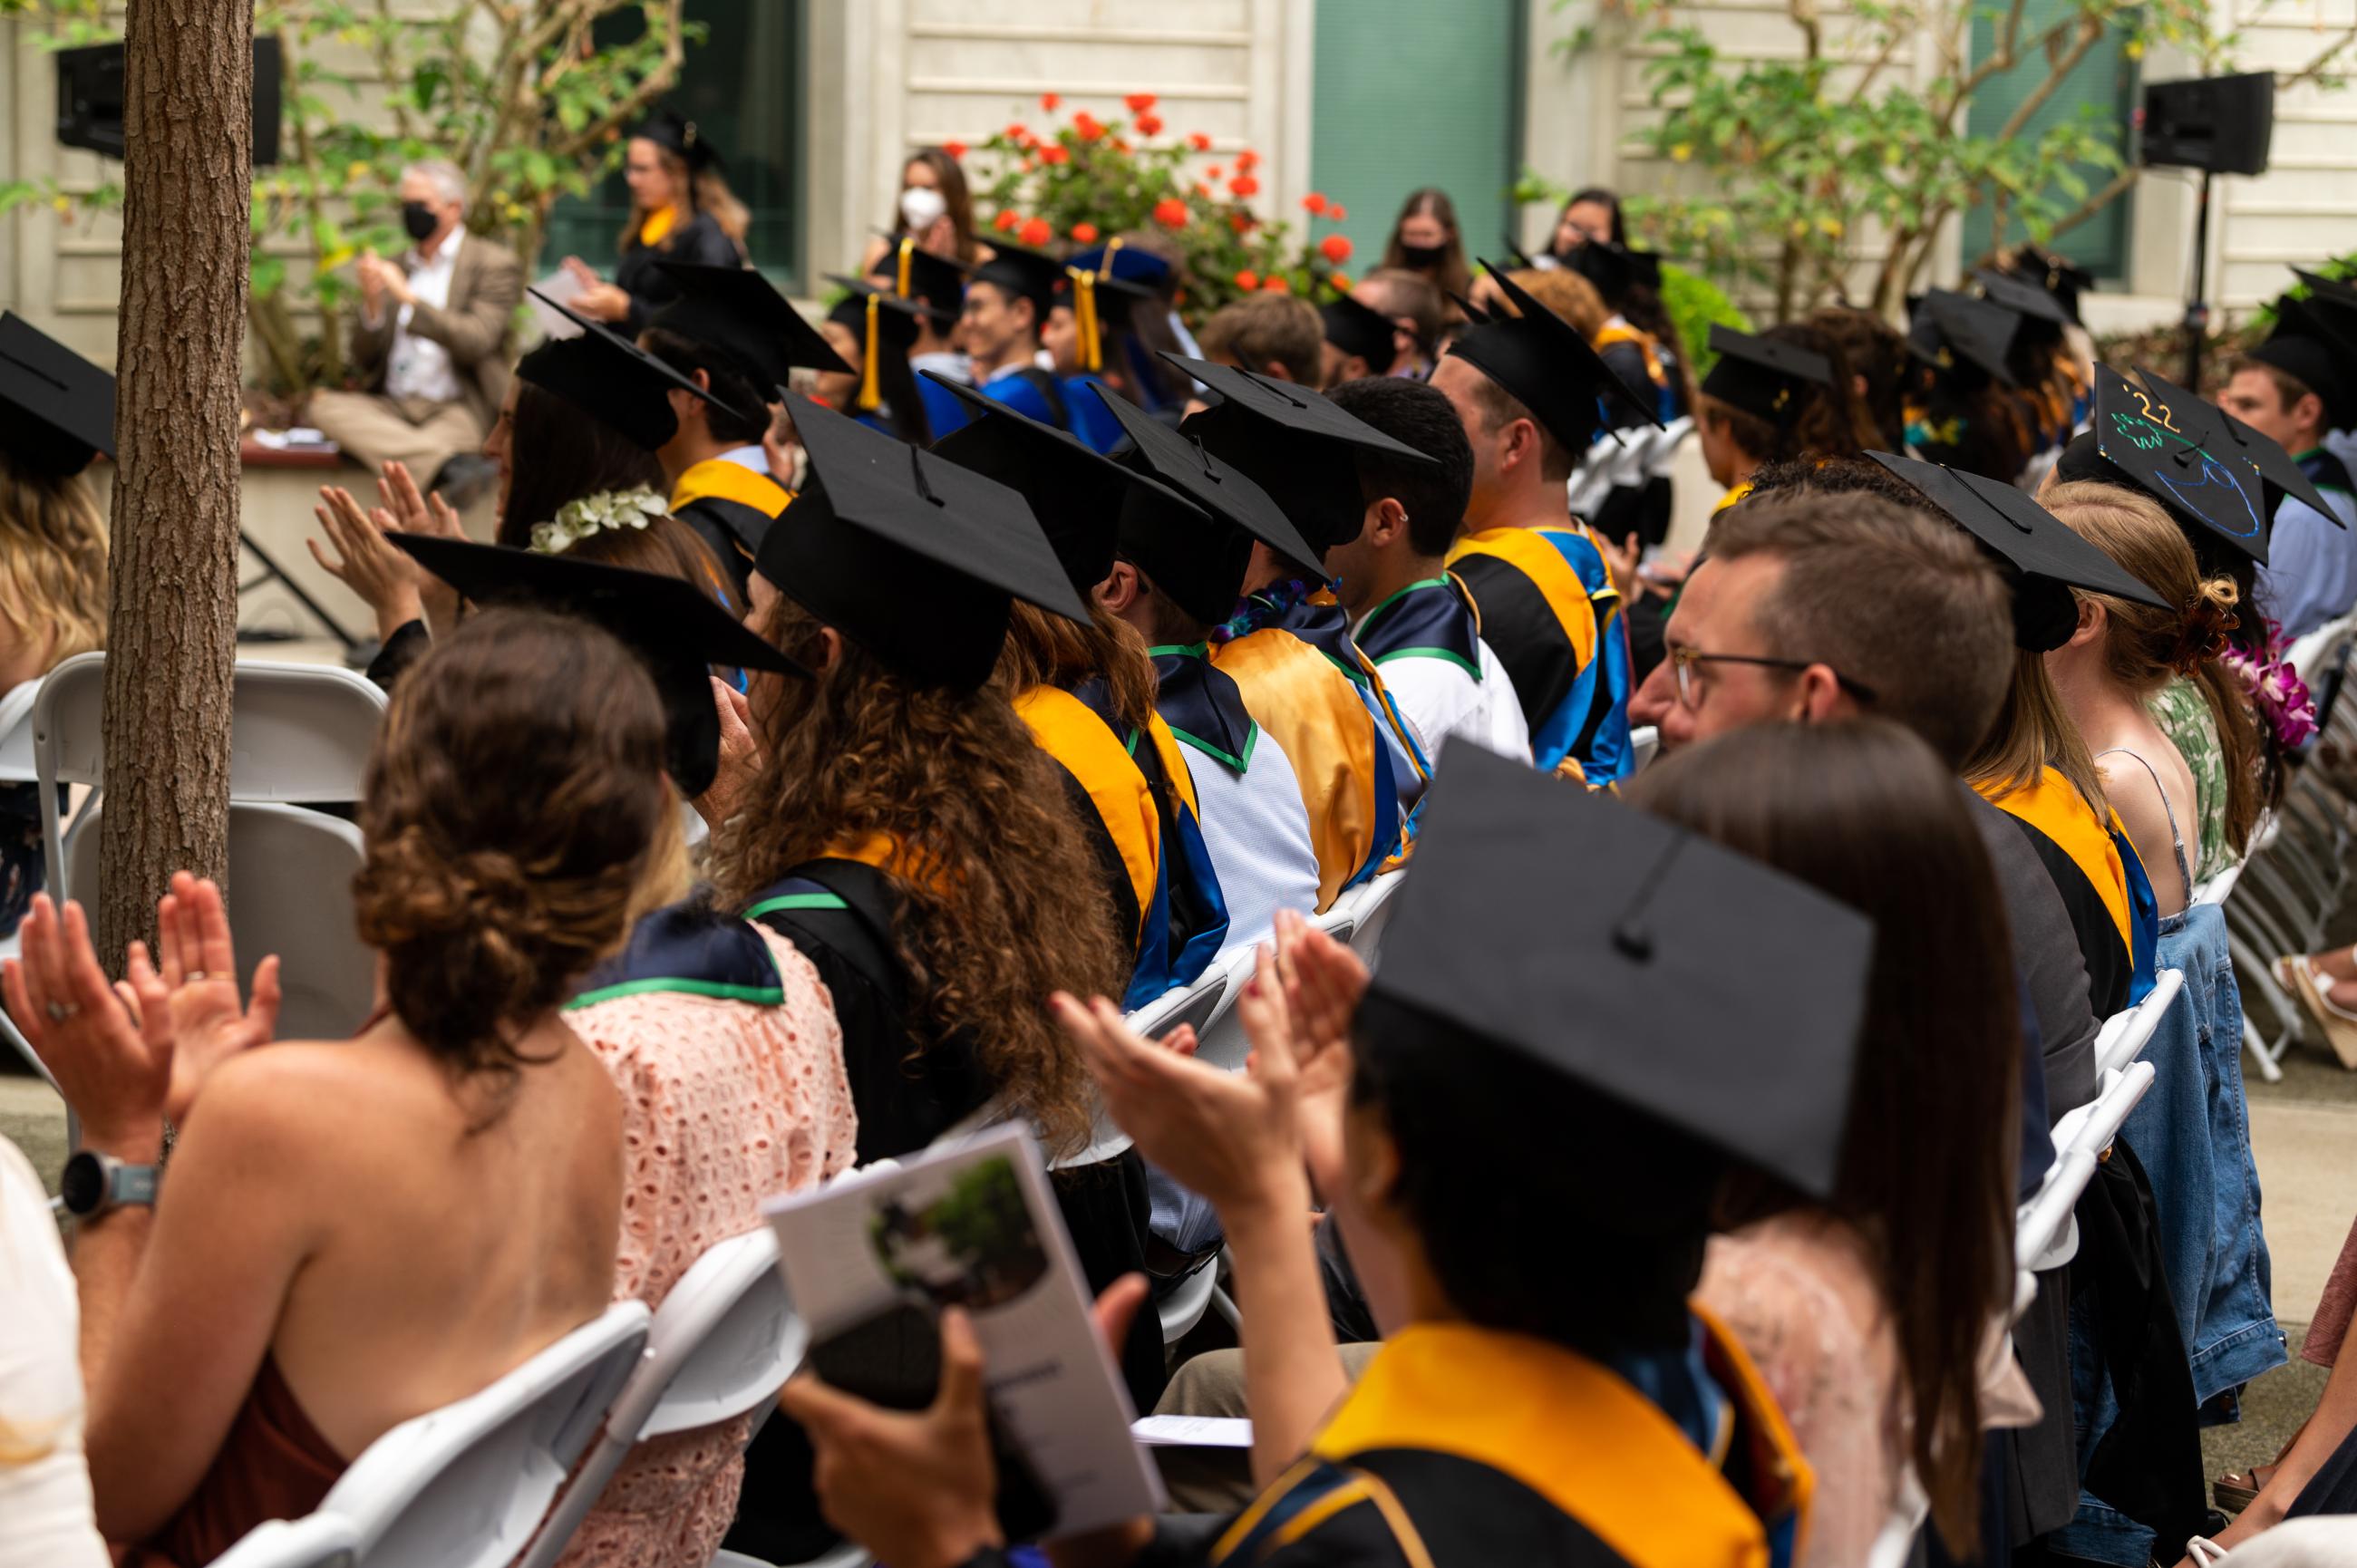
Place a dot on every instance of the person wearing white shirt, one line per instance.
(2292, 389)
(430, 344)
(44, 1485)
(1412, 618)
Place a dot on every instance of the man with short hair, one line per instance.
(1006, 310)
(429, 344)
(1528, 391)
(1416, 313)
(1412, 619)
(1273, 335)
(2292, 389)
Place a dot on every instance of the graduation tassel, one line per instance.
(908, 247)
(871, 397)
(1084, 313)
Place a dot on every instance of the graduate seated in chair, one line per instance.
(1556, 1403)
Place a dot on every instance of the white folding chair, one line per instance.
(1195, 1005)
(1223, 1043)
(2044, 1234)
(290, 877)
(2124, 1035)
(1184, 1307)
(723, 1343)
(315, 1541)
(1375, 912)
(298, 734)
(465, 1486)
(1643, 742)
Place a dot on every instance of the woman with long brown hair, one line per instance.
(1782, 394)
(681, 211)
(1873, 1314)
(936, 208)
(308, 1279)
(1424, 241)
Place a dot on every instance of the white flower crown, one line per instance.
(577, 520)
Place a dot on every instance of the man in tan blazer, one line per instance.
(431, 343)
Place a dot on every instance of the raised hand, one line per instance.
(113, 1068)
(740, 755)
(195, 984)
(1324, 982)
(407, 509)
(388, 580)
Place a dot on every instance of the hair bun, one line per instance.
(2210, 615)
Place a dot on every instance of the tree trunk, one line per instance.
(188, 109)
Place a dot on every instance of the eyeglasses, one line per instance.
(1683, 659)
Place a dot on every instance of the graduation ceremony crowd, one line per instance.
(853, 725)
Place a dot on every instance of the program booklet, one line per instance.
(873, 1257)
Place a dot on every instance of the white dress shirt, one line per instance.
(44, 1500)
(418, 367)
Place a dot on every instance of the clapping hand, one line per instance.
(740, 757)
(365, 562)
(115, 1068)
(1234, 1137)
(409, 511)
(598, 300)
(196, 986)
(1324, 982)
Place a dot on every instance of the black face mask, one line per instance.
(1422, 256)
(418, 220)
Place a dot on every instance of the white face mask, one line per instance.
(921, 207)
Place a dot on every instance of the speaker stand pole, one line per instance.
(2197, 307)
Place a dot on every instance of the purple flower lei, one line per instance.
(2274, 689)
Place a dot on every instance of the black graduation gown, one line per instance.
(699, 241)
(908, 1091)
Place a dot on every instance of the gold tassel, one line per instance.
(870, 397)
(908, 246)
(1084, 313)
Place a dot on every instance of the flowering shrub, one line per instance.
(1078, 183)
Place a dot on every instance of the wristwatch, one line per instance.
(94, 1183)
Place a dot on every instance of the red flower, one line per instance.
(1036, 233)
(1084, 233)
(1170, 212)
(956, 150)
(1336, 212)
(1341, 284)
(1214, 172)
(1017, 131)
(1149, 124)
(1203, 190)
(1247, 279)
(1241, 220)
(1247, 159)
(1199, 141)
(1055, 153)
(1335, 247)
(1088, 128)
(1005, 219)
(1276, 283)
(1139, 102)
(1313, 203)
(1243, 185)
(1119, 145)
(1048, 100)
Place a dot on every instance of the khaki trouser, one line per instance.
(1219, 1480)
(374, 430)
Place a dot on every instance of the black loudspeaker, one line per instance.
(2221, 124)
(90, 99)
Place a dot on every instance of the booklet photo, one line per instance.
(872, 1259)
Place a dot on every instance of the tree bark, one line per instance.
(172, 636)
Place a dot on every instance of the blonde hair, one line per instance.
(53, 560)
(1566, 293)
(2033, 732)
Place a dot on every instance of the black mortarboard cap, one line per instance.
(2043, 559)
(895, 319)
(670, 129)
(1692, 984)
(1546, 366)
(59, 407)
(1026, 274)
(735, 309)
(1765, 378)
(677, 631)
(1964, 338)
(1079, 495)
(1614, 268)
(2323, 288)
(1356, 328)
(1473, 313)
(935, 282)
(1295, 444)
(606, 376)
(2024, 300)
(2309, 344)
(1125, 265)
(2060, 278)
(2136, 440)
(2279, 476)
(913, 556)
(1202, 567)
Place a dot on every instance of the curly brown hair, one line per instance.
(1831, 421)
(1004, 902)
(1048, 651)
(510, 808)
